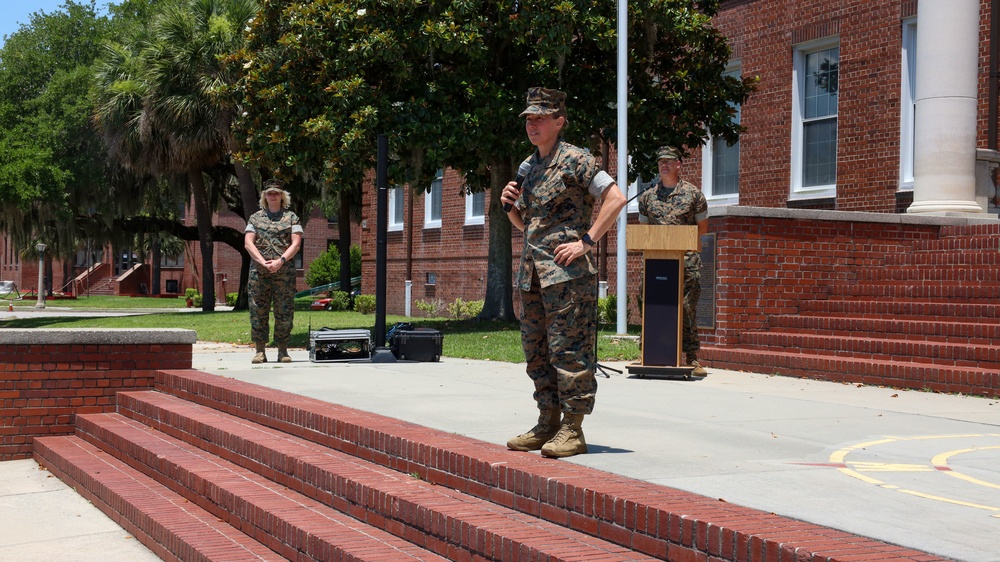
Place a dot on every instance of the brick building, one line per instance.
(108, 271)
(834, 125)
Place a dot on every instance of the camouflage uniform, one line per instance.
(681, 205)
(558, 303)
(273, 238)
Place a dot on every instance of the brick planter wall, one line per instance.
(770, 261)
(47, 376)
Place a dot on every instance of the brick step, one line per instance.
(653, 520)
(895, 374)
(162, 520)
(390, 500)
(969, 290)
(959, 239)
(964, 273)
(277, 516)
(971, 332)
(881, 349)
(943, 309)
(961, 257)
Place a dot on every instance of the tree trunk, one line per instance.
(498, 303)
(155, 280)
(344, 243)
(204, 217)
(251, 204)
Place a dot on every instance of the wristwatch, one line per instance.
(588, 240)
(283, 260)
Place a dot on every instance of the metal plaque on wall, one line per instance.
(706, 304)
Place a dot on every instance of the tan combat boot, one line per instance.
(569, 440)
(698, 371)
(260, 357)
(548, 425)
(283, 354)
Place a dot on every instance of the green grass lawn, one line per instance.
(496, 341)
(105, 302)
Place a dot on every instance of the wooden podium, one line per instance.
(663, 248)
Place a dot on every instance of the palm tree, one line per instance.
(159, 104)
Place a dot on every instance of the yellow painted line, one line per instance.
(838, 456)
(949, 500)
(939, 462)
(859, 476)
(942, 461)
(889, 467)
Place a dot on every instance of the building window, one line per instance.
(432, 202)
(172, 261)
(396, 202)
(432, 278)
(814, 135)
(908, 103)
(475, 208)
(720, 162)
(83, 261)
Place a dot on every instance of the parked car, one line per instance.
(321, 304)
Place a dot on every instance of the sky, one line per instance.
(15, 12)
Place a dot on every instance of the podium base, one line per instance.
(642, 371)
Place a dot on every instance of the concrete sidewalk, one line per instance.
(912, 468)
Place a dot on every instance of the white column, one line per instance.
(408, 288)
(944, 144)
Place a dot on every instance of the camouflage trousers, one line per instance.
(559, 336)
(264, 289)
(692, 292)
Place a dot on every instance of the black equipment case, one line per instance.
(421, 344)
(339, 345)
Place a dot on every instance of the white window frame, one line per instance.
(734, 68)
(473, 215)
(436, 185)
(907, 105)
(397, 198)
(798, 191)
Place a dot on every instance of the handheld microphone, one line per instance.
(522, 172)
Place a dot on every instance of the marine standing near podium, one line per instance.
(676, 202)
(273, 237)
(557, 277)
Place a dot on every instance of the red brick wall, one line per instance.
(42, 386)
(767, 266)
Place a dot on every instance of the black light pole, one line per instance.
(381, 354)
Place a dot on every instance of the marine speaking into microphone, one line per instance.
(522, 172)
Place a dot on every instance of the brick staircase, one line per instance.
(923, 314)
(209, 468)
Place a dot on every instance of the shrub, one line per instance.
(196, 301)
(355, 260)
(324, 269)
(339, 300)
(364, 304)
(431, 309)
(231, 298)
(190, 292)
(461, 309)
(607, 309)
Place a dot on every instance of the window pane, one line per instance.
(821, 83)
(725, 167)
(479, 204)
(435, 197)
(820, 162)
(396, 205)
